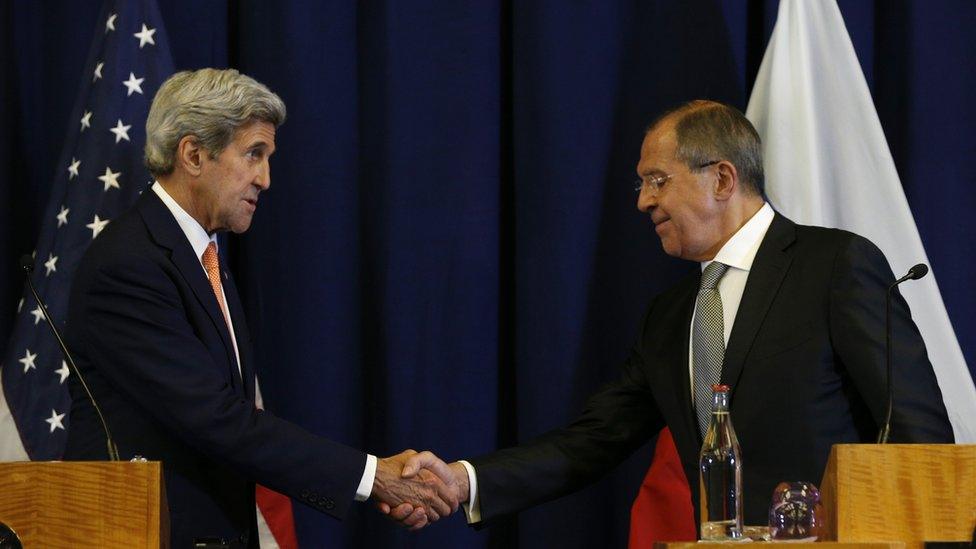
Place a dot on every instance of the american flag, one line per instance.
(100, 175)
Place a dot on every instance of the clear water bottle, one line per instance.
(720, 469)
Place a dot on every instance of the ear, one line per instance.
(189, 155)
(726, 180)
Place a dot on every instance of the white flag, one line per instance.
(827, 163)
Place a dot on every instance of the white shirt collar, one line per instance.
(195, 233)
(740, 250)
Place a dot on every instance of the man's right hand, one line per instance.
(454, 477)
(411, 485)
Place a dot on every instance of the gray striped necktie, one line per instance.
(708, 342)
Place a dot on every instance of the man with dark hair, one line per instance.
(705, 130)
(790, 316)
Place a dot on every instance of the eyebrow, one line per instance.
(651, 171)
(260, 144)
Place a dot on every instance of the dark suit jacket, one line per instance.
(148, 335)
(805, 361)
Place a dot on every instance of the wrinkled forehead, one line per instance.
(657, 150)
(255, 132)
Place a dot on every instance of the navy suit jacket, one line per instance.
(805, 362)
(148, 335)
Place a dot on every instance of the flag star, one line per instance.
(121, 131)
(38, 314)
(63, 371)
(110, 22)
(73, 168)
(145, 36)
(28, 360)
(96, 226)
(133, 84)
(110, 179)
(63, 216)
(55, 420)
(51, 264)
(86, 120)
(98, 71)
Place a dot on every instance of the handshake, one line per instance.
(416, 489)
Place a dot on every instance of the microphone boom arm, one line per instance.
(113, 451)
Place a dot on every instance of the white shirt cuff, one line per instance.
(369, 475)
(473, 507)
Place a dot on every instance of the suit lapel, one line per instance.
(765, 277)
(240, 328)
(167, 233)
(671, 352)
(682, 381)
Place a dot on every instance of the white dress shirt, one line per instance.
(738, 253)
(199, 240)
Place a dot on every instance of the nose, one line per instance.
(263, 178)
(646, 200)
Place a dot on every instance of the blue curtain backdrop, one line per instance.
(450, 256)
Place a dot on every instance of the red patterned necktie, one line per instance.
(212, 265)
(274, 507)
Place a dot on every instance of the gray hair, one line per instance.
(706, 131)
(208, 104)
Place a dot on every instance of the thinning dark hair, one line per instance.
(706, 131)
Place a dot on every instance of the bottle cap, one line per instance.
(717, 388)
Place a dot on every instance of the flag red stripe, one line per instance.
(276, 509)
(662, 510)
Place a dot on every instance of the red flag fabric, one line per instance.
(662, 510)
(276, 510)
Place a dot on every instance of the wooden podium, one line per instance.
(900, 492)
(85, 504)
(892, 496)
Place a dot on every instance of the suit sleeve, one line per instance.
(614, 423)
(859, 281)
(137, 332)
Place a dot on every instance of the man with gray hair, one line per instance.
(158, 332)
(789, 316)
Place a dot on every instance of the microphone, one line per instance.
(915, 273)
(27, 264)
